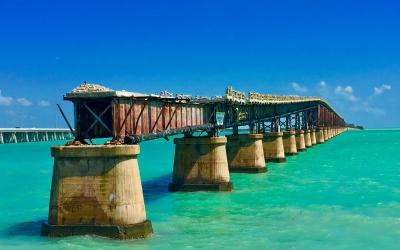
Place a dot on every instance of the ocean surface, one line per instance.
(343, 194)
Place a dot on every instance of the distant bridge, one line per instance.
(17, 135)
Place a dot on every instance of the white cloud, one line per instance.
(346, 92)
(381, 89)
(5, 100)
(43, 103)
(368, 108)
(322, 83)
(24, 102)
(298, 88)
(373, 110)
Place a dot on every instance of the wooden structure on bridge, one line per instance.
(96, 189)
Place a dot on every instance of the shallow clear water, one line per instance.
(344, 194)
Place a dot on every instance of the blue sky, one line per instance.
(345, 51)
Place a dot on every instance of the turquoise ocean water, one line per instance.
(344, 194)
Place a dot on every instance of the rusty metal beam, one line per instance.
(97, 118)
(95, 121)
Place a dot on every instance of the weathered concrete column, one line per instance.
(320, 135)
(289, 142)
(307, 138)
(273, 147)
(245, 153)
(325, 131)
(300, 141)
(313, 137)
(14, 137)
(200, 164)
(97, 190)
(1, 138)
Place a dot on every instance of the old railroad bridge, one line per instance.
(96, 189)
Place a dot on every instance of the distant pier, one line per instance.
(18, 135)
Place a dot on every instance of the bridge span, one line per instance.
(96, 189)
(17, 135)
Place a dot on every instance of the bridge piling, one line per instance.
(14, 137)
(325, 131)
(313, 136)
(320, 135)
(245, 153)
(97, 190)
(300, 141)
(273, 147)
(307, 138)
(289, 142)
(200, 164)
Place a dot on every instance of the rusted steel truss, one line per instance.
(132, 120)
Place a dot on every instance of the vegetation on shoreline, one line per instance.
(351, 125)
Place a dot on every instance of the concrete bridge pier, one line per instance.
(307, 138)
(300, 141)
(14, 138)
(320, 135)
(200, 164)
(289, 142)
(273, 147)
(313, 137)
(325, 132)
(245, 153)
(97, 190)
(1, 138)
